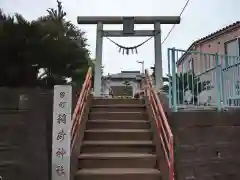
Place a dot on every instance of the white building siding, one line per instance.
(135, 85)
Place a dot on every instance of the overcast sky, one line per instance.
(200, 18)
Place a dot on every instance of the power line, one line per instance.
(126, 50)
(168, 34)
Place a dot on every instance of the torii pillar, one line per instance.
(128, 30)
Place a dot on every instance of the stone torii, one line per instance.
(128, 30)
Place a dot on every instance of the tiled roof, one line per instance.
(126, 75)
(210, 37)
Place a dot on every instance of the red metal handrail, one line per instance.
(80, 106)
(163, 127)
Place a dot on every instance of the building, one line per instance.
(126, 83)
(226, 43)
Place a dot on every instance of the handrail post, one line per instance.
(218, 76)
(169, 81)
(172, 173)
(222, 87)
(174, 89)
(61, 135)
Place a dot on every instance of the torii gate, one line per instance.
(128, 30)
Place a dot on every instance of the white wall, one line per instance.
(231, 78)
(135, 85)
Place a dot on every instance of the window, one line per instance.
(190, 65)
(232, 48)
(237, 86)
(182, 68)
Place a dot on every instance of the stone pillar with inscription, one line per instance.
(61, 147)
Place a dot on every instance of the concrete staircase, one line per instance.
(118, 142)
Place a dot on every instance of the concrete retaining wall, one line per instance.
(207, 145)
(26, 133)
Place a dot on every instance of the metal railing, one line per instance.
(79, 109)
(230, 80)
(201, 79)
(164, 130)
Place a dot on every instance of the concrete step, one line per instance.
(118, 134)
(118, 146)
(116, 160)
(118, 116)
(118, 124)
(118, 174)
(119, 108)
(110, 101)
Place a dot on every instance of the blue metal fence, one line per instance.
(202, 79)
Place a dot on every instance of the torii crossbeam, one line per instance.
(128, 30)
